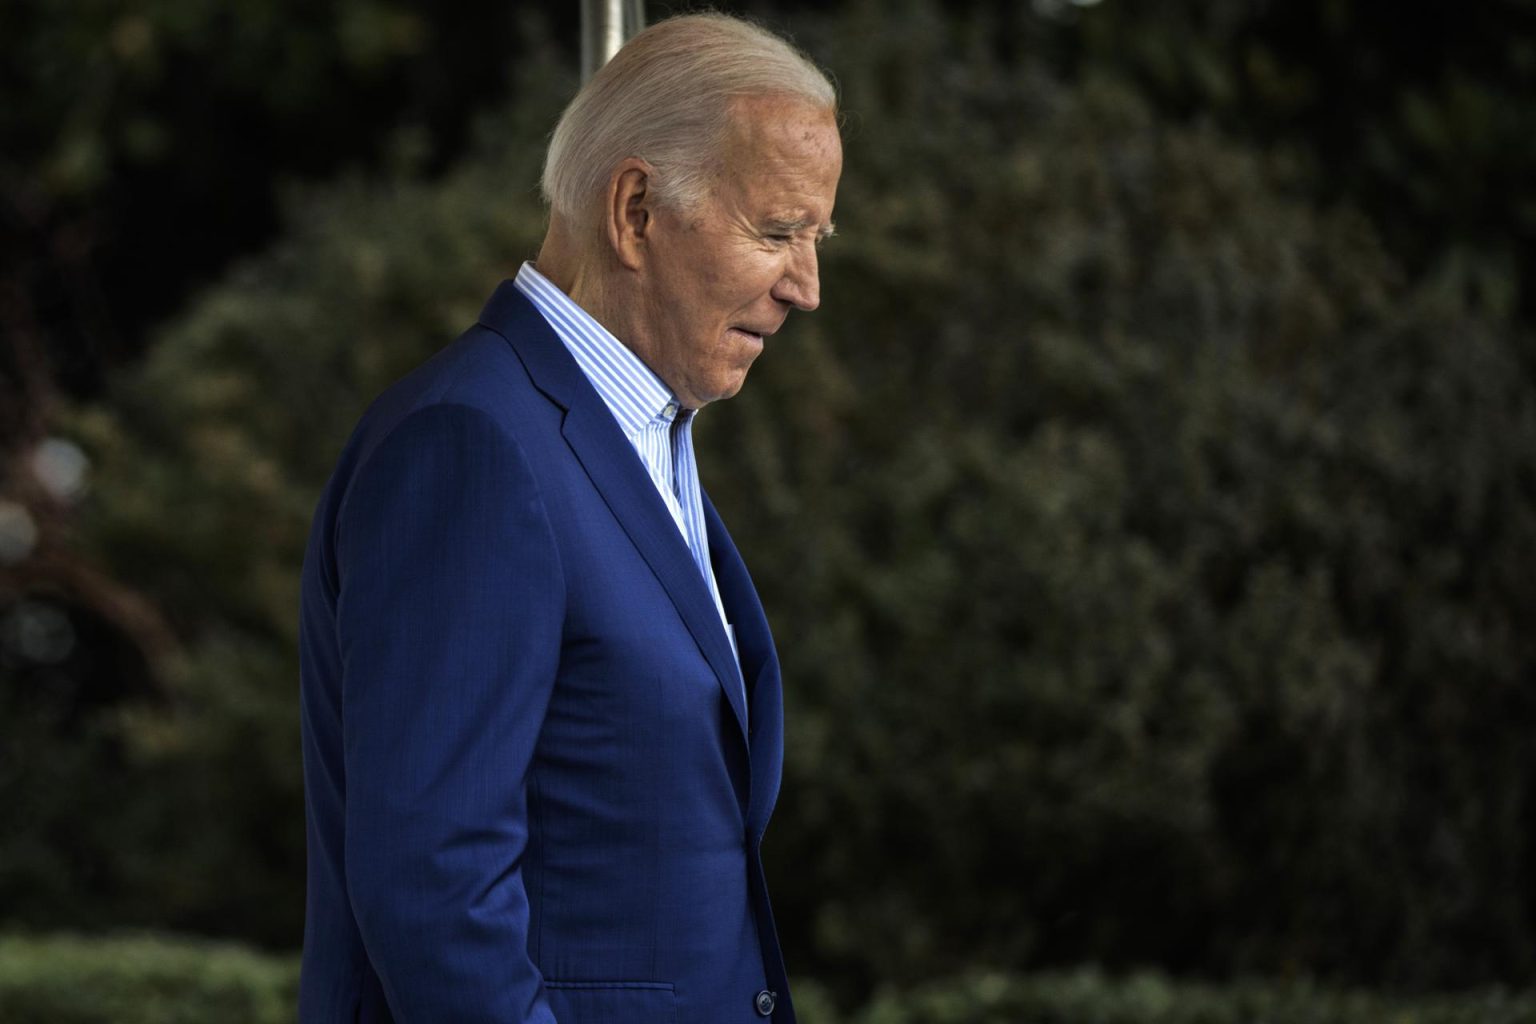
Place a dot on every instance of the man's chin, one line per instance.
(721, 390)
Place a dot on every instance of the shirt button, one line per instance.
(765, 1002)
(670, 410)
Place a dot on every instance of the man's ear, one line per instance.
(628, 217)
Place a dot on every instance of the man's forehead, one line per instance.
(782, 163)
(777, 117)
(783, 136)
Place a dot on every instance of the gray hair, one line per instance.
(665, 98)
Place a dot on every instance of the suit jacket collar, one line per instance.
(616, 471)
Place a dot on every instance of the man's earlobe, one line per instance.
(629, 211)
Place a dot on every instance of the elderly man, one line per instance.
(541, 706)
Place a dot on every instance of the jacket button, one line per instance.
(765, 1002)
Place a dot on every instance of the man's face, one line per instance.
(724, 274)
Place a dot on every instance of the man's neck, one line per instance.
(577, 270)
(567, 265)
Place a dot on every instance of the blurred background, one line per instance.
(1147, 518)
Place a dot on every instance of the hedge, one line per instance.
(142, 979)
(146, 979)
(1088, 996)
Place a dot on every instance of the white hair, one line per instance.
(665, 97)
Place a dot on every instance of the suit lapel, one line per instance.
(615, 470)
(760, 665)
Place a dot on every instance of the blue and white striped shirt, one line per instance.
(645, 408)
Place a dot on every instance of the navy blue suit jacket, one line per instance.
(533, 792)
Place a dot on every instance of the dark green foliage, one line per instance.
(1090, 996)
(1121, 516)
(160, 980)
(1414, 112)
(1150, 553)
(153, 812)
(141, 980)
(144, 146)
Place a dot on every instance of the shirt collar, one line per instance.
(630, 389)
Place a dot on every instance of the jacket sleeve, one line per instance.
(449, 620)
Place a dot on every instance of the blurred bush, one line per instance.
(1088, 995)
(1149, 555)
(59, 979)
(164, 980)
(1149, 552)
(1411, 112)
(142, 146)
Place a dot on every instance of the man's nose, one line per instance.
(801, 284)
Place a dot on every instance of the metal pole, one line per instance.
(605, 26)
